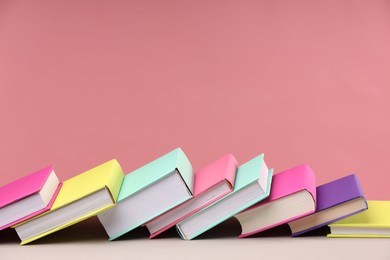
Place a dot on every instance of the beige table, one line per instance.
(87, 240)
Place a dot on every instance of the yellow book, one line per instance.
(79, 198)
(374, 222)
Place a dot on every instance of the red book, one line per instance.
(212, 182)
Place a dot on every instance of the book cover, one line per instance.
(291, 181)
(108, 176)
(145, 190)
(252, 172)
(373, 222)
(331, 195)
(284, 184)
(156, 170)
(25, 187)
(221, 171)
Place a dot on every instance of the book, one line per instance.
(253, 182)
(211, 183)
(79, 198)
(293, 195)
(148, 192)
(336, 200)
(28, 196)
(373, 222)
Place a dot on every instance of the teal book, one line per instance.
(148, 192)
(253, 182)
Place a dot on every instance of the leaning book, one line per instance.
(28, 196)
(336, 200)
(252, 184)
(148, 192)
(79, 198)
(293, 195)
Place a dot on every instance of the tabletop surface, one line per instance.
(87, 240)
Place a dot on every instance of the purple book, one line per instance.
(336, 200)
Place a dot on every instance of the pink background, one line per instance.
(82, 82)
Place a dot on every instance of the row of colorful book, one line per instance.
(166, 193)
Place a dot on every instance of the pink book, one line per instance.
(212, 182)
(28, 196)
(293, 195)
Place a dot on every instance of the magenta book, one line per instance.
(293, 195)
(28, 196)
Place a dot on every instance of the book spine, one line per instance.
(115, 180)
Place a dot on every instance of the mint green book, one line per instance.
(253, 184)
(148, 192)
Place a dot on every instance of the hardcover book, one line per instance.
(28, 196)
(293, 195)
(211, 183)
(79, 198)
(373, 222)
(336, 200)
(148, 192)
(253, 182)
